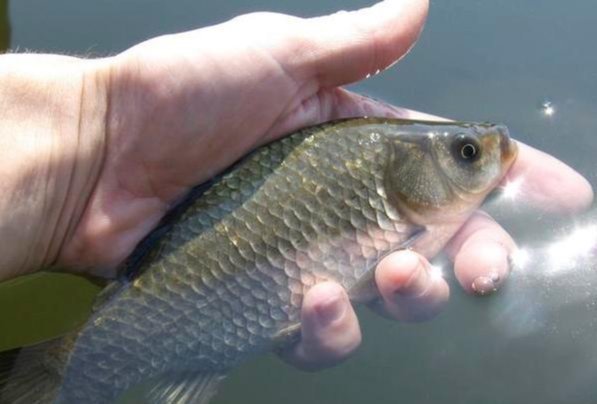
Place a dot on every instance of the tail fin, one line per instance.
(32, 375)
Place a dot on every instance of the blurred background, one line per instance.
(531, 65)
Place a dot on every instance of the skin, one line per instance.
(100, 149)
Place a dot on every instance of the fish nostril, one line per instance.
(503, 131)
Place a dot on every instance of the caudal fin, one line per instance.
(32, 375)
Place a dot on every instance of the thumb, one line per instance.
(347, 46)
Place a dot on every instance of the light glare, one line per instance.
(549, 111)
(548, 108)
(512, 189)
(520, 258)
(436, 272)
(565, 253)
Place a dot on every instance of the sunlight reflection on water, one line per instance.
(551, 277)
(547, 108)
(561, 255)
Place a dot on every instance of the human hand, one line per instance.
(183, 107)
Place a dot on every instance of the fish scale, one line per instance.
(215, 249)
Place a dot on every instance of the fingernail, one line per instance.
(485, 285)
(331, 310)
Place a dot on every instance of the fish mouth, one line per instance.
(508, 147)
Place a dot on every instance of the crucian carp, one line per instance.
(223, 276)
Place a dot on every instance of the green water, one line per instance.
(4, 26)
(498, 61)
(41, 306)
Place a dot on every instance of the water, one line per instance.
(4, 25)
(531, 66)
(547, 108)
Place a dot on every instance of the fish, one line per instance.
(222, 278)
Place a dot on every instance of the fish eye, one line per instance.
(466, 149)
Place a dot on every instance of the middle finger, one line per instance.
(480, 251)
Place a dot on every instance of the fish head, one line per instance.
(447, 169)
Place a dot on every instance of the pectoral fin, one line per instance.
(365, 289)
(287, 337)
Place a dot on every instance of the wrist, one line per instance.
(53, 136)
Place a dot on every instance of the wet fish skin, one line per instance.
(226, 281)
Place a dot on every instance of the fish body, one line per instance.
(224, 276)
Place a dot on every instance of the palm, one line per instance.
(171, 126)
(189, 131)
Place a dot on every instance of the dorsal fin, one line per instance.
(131, 267)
